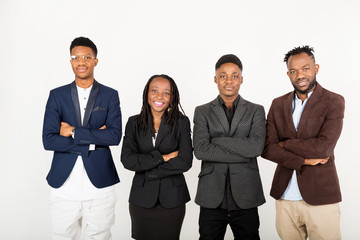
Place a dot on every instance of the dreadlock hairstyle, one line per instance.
(295, 51)
(83, 42)
(173, 112)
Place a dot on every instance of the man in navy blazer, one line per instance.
(82, 120)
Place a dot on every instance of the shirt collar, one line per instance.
(308, 96)
(234, 106)
(84, 89)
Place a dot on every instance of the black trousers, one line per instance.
(244, 223)
(157, 223)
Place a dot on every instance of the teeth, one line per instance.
(158, 103)
(302, 83)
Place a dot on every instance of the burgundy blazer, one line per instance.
(318, 131)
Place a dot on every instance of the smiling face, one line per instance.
(228, 79)
(302, 72)
(83, 69)
(159, 96)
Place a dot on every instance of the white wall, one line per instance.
(183, 39)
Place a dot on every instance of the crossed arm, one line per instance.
(294, 153)
(155, 164)
(56, 133)
(228, 149)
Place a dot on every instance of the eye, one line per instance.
(235, 76)
(87, 57)
(154, 90)
(292, 72)
(306, 69)
(166, 93)
(223, 76)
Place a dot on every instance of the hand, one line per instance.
(281, 144)
(66, 129)
(313, 162)
(103, 127)
(167, 157)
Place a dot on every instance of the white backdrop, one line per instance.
(183, 39)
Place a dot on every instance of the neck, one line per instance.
(157, 119)
(84, 83)
(304, 96)
(229, 100)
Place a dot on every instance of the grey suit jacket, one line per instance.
(222, 147)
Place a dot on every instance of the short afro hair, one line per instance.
(295, 51)
(228, 58)
(83, 42)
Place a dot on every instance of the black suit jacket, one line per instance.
(155, 179)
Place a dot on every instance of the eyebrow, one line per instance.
(74, 55)
(158, 87)
(232, 73)
(307, 65)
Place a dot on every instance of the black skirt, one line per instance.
(157, 223)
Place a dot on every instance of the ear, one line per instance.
(288, 73)
(215, 79)
(241, 80)
(96, 61)
(317, 68)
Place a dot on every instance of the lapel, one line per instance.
(220, 114)
(314, 99)
(163, 131)
(75, 100)
(90, 104)
(239, 113)
(287, 106)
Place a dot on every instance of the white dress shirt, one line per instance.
(292, 191)
(78, 186)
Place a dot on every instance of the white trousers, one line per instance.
(69, 217)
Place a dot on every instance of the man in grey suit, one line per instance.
(229, 133)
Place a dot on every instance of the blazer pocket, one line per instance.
(98, 108)
(206, 171)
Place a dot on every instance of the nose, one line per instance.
(229, 79)
(158, 95)
(82, 60)
(300, 75)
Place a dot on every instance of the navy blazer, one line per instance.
(156, 180)
(103, 108)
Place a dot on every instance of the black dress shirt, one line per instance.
(228, 201)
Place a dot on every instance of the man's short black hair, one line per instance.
(295, 51)
(83, 42)
(229, 58)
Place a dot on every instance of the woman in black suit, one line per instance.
(158, 147)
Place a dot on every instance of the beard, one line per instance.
(311, 85)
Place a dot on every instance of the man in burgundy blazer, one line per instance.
(302, 129)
